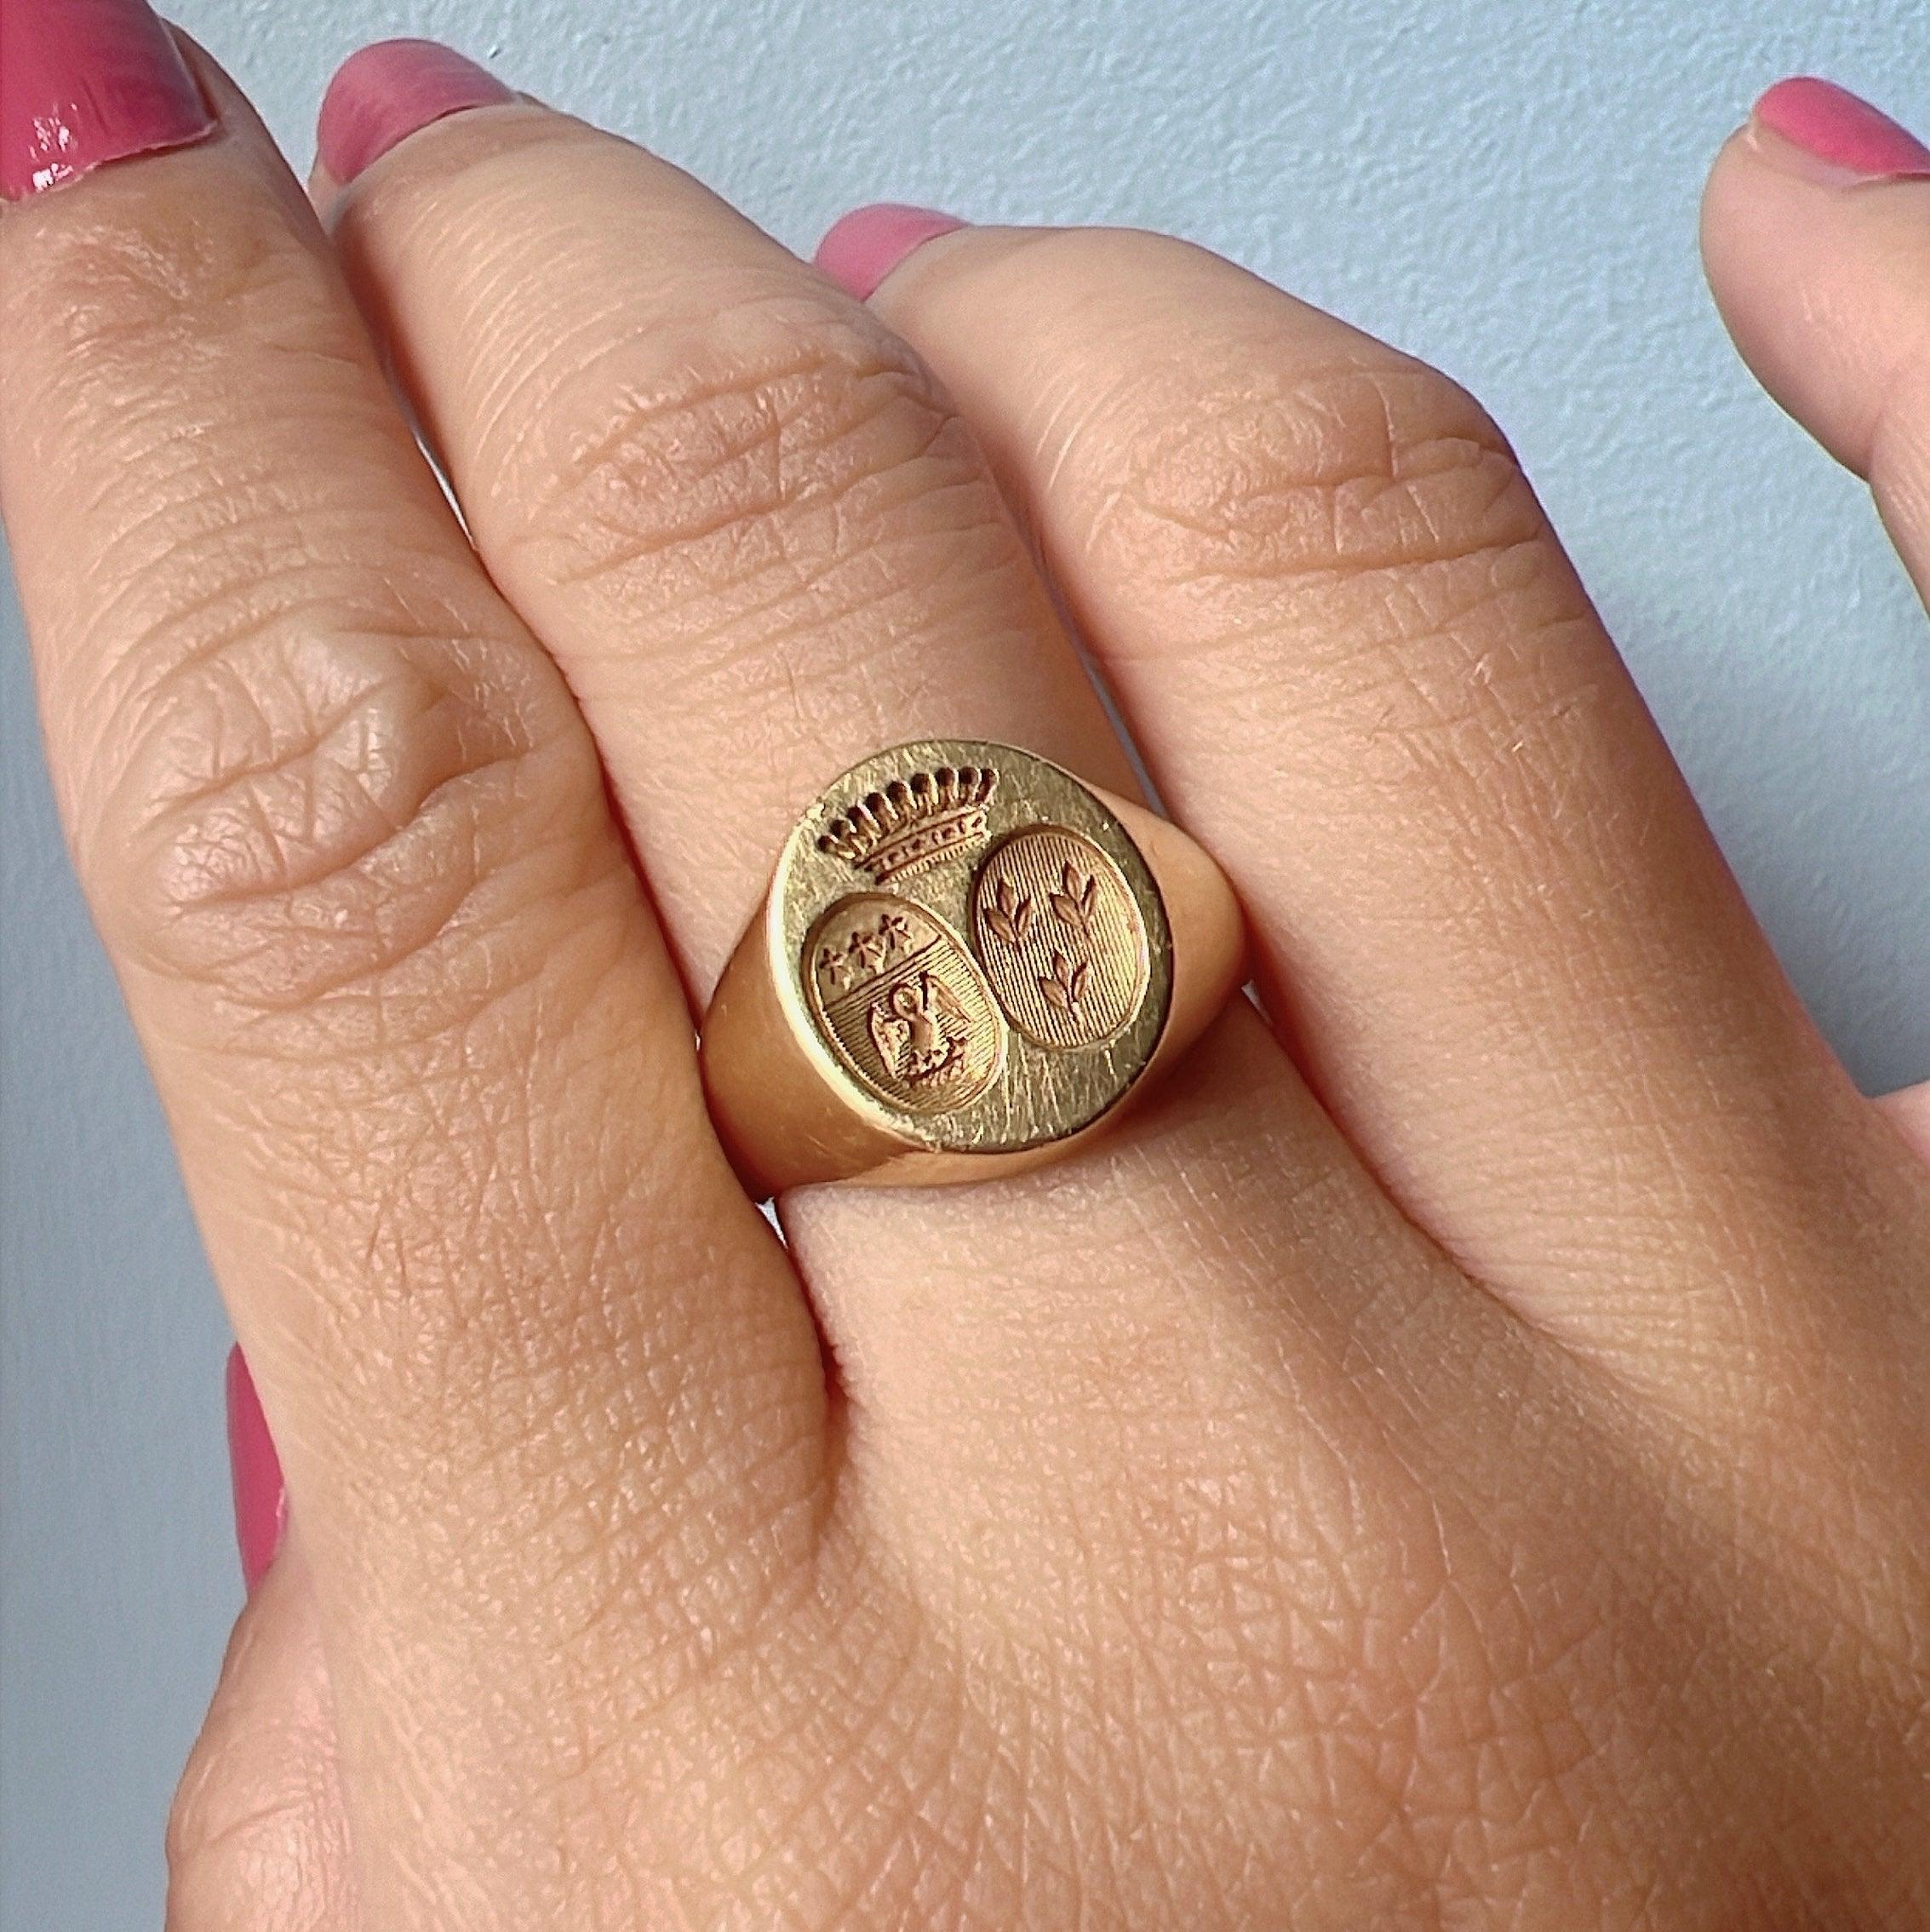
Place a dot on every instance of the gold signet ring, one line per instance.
(967, 962)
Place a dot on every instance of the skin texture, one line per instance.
(1459, 1457)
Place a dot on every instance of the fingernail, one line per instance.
(86, 82)
(260, 1501)
(861, 249)
(1837, 137)
(385, 93)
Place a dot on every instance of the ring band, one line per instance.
(966, 962)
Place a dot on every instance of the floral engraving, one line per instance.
(1065, 985)
(1009, 913)
(1071, 904)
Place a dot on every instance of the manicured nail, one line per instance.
(861, 249)
(260, 1501)
(387, 91)
(86, 82)
(1837, 137)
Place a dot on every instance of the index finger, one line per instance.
(429, 1070)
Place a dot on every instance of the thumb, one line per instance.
(1816, 235)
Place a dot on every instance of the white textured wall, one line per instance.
(1509, 190)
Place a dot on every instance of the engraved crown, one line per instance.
(913, 821)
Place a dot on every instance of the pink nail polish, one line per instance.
(1849, 137)
(260, 1502)
(386, 93)
(861, 249)
(86, 82)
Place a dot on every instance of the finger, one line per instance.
(427, 1061)
(258, 1835)
(1358, 661)
(761, 545)
(757, 541)
(1816, 234)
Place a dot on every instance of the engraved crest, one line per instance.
(913, 821)
(902, 1004)
(920, 1030)
(1061, 939)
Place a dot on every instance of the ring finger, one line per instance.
(762, 546)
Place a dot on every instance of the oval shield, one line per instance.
(902, 1004)
(1062, 941)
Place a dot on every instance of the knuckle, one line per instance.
(738, 472)
(1265, 467)
(1351, 505)
(295, 730)
(309, 796)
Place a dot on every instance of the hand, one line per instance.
(1459, 1454)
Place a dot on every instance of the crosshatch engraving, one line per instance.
(913, 821)
(902, 1003)
(1061, 938)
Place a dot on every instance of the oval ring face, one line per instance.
(971, 945)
